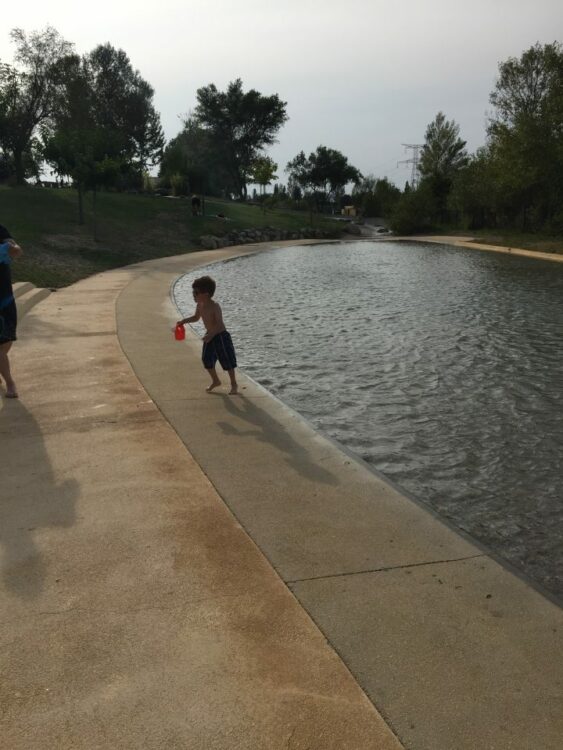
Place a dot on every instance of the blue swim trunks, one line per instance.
(219, 348)
(8, 312)
(8, 323)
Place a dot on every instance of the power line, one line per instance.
(413, 161)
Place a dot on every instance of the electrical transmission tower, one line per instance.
(413, 160)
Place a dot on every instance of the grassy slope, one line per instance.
(130, 228)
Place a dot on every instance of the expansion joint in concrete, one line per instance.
(383, 570)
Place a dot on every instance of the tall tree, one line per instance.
(76, 145)
(105, 129)
(241, 124)
(27, 93)
(526, 133)
(124, 108)
(442, 155)
(443, 151)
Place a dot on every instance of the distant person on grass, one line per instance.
(217, 343)
(196, 205)
(8, 312)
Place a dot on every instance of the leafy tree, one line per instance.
(375, 197)
(27, 95)
(529, 87)
(475, 191)
(6, 169)
(414, 211)
(105, 129)
(322, 175)
(443, 152)
(241, 125)
(124, 108)
(193, 155)
(264, 171)
(526, 134)
(76, 145)
(295, 191)
(442, 155)
(179, 184)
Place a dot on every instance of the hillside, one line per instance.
(130, 228)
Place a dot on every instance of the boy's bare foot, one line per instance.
(234, 390)
(213, 385)
(12, 393)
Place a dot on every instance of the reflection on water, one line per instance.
(441, 367)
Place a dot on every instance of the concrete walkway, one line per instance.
(248, 592)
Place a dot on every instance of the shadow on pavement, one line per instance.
(269, 430)
(30, 499)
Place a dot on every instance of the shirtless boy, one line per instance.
(217, 343)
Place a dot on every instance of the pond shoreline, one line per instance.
(471, 244)
(358, 573)
(437, 327)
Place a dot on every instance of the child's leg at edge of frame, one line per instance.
(234, 384)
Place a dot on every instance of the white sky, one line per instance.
(361, 76)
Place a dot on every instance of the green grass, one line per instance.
(539, 242)
(130, 228)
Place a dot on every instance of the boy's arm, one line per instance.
(192, 319)
(9, 250)
(15, 250)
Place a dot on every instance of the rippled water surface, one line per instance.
(442, 367)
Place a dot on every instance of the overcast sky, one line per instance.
(361, 76)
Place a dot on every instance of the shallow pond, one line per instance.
(441, 367)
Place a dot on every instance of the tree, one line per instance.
(323, 174)
(442, 155)
(104, 130)
(264, 171)
(124, 108)
(240, 125)
(145, 127)
(475, 193)
(414, 211)
(77, 145)
(376, 197)
(443, 152)
(530, 87)
(27, 95)
(192, 154)
(526, 133)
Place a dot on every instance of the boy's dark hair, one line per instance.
(205, 284)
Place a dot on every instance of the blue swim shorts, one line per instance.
(219, 348)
